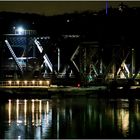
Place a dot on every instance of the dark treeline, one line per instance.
(118, 24)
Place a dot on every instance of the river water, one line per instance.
(69, 118)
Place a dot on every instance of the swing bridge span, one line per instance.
(36, 61)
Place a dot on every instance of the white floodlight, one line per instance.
(20, 30)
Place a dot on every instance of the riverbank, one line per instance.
(68, 91)
(77, 91)
(50, 92)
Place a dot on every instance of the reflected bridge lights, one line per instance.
(9, 112)
(25, 112)
(34, 112)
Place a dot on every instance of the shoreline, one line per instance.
(68, 91)
(50, 92)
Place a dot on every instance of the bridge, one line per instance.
(31, 58)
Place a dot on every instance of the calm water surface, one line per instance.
(69, 118)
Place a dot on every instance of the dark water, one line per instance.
(70, 118)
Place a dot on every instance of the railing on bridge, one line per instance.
(25, 83)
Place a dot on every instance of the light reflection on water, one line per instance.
(70, 118)
(28, 116)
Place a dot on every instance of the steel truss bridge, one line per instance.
(31, 57)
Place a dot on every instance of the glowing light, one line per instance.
(17, 109)
(17, 82)
(40, 109)
(58, 125)
(40, 106)
(33, 109)
(20, 30)
(25, 111)
(48, 82)
(40, 82)
(68, 20)
(33, 82)
(25, 82)
(36, 116)
(47, 107)
(123, 121)
(9, 111)
(70, 111)
(137, 83)
(78, 85)
(9, 82)
(19, 137)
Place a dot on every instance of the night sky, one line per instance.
(49, 8)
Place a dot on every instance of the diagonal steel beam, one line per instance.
(46, 58)
(73, 56)
(14, 56)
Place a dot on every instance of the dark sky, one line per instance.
(58, 7)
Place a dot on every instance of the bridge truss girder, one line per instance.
(86, 61)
